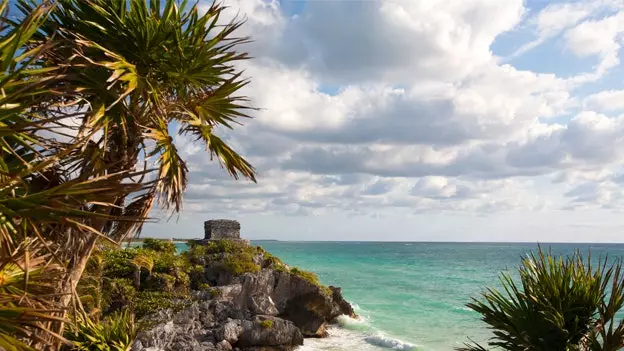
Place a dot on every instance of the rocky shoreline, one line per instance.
(271, 309)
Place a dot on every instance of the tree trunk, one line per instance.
(67, 287)
(137, 277)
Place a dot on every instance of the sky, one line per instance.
(422, 120)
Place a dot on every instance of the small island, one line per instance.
(219, 294)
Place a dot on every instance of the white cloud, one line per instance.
(601, 38)
(555, 18)
(383, 108)
(608, 100)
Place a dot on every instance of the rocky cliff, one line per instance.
(246, 300)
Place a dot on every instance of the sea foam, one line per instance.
(389, 343)
(356, 334)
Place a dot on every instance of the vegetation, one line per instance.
(559, 304)
(266, 324)
(163, 246)
(233, 257)
(115, 333)
(139, 279)
(88, 89)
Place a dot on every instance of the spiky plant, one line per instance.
(114, 333)
(561, 304)
(145, 68)
(39, 193)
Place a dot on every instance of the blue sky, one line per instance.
(424, 120)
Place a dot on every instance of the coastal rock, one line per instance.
(270, 331)
(229, 331)
(262, 304)
(223, 345)
(343, 306)
(272, 309)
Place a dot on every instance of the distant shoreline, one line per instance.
(184, 240)
(178, 240)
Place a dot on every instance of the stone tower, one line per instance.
(216, 229)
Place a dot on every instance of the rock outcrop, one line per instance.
(270, 309)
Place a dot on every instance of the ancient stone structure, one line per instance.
(216, 229)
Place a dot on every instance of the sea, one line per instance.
(411, 296)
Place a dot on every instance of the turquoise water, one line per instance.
(411, 296)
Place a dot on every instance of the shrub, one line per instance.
(271, 261)
(118, 263)
(215, 292)
(238, 264)
(118, 294)
(311, 278)
(197, 276)
(164, 263)
(560, 304)
(266, 324)
(148, 302)
(115, 333)
(158, 245)
(160, 282)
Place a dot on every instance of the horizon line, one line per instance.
(416, 241)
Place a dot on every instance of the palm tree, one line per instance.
(561, 304)
(40, 199)
(144, 69)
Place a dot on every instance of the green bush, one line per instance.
(148, 302)
(159, 282)
(197, 277)
(241, 263)
(266, 324)
(311, 278)
(158, 245)
(560, 304)
(114, 333)
(165, 263)
(215, 292)
(271, 261)
(118, 294)
(118, 263)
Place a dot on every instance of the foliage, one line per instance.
(241, 263)
(159, 282)
(115, 333)
(88, 88)
(274, 262)
(234, 257)
(136, 88)
(114, 272)
(215, 291)
(164, 246)
(560, 304)
(27, 279)
(118, 263)
(266, 324)
(119, 294)
(310, 277)
(148, 302)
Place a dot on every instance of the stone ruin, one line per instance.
(216, 229)
(220, 229)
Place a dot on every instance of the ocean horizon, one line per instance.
(412, 295)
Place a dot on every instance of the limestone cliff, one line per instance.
(247, 299)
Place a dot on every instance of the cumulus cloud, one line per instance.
(555, 18)
(608, 100)
(375, 105)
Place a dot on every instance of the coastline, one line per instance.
(247, 299)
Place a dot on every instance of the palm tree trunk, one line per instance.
(67, 287)
(137, 277)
